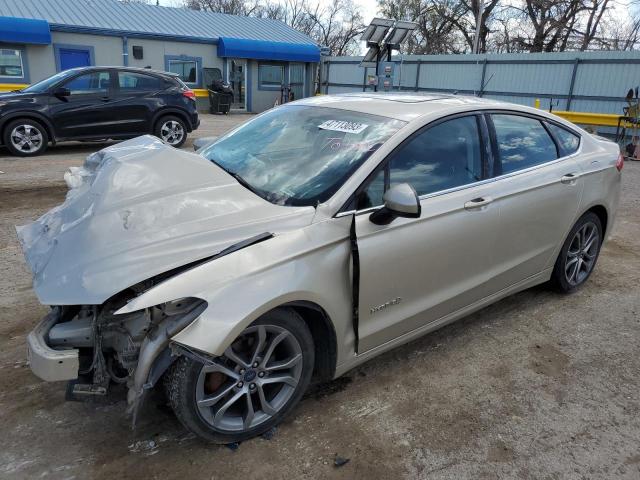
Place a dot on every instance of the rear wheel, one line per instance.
(252, 387)
(171, 130)
(579, 254)
(25, 137)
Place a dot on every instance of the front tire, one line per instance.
(25, 137)
(171, 130)
(252, 387)
(578, 255)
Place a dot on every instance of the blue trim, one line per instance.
(125, 51)
(272, 88)
(198, 61)
(248, 87)
(67, 46)
(25, 78)
(131, 34)
(24, 30)
(265, 50)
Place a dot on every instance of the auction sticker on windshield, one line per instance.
(343, 126)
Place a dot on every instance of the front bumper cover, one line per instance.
(49, 364)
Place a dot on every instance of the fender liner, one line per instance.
(172, 111)
(28, 114)
(355, 259)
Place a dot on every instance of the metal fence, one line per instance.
(578, 81)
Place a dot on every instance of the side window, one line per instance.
(129, 81)
(95, 82)
(522, 142)
(444, 156)
(569, 142)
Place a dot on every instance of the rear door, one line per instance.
(537, 189)
(86, 112)
(135, 101)
(417, 270)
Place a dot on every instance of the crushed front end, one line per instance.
(93, 347)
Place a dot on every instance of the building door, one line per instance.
(238, 81)
(72, 58)
(296, 80)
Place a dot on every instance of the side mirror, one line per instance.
(62, 92)
(399, 201)
(199, 143)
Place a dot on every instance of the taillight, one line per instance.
(620, 162)
(189, 94)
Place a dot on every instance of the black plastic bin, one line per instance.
(219, 102)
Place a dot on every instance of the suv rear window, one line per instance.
(139, 81)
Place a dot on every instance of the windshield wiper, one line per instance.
(240, 180)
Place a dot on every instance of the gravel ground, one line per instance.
(538, 386)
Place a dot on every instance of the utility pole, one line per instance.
(476, 40)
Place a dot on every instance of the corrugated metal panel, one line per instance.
(111, 15)
(601, 81)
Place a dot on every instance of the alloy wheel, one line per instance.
(172, 132)
(582, 254)
(26, 138)
(254, 379)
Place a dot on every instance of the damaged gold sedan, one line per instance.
(315, 236)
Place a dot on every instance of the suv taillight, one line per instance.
(189, 94)
(620, 162)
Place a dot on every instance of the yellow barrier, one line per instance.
(582, 118)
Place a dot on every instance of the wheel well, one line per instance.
(324, 338)
(29, 117)
(601, 212)
(172, 113)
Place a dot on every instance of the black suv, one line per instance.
(97, 103)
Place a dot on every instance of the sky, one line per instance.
(369, 7)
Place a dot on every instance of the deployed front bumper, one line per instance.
(49, 364)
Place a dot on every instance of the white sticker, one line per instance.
(343, 126)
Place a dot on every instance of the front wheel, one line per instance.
(579, 254)
(252, 387)
(171, 130)
(25, 137)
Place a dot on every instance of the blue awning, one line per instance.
(24, 30)
(265, 50)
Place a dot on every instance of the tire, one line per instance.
(25, 137)
(579, 254)
(171, 130)
(226, 419)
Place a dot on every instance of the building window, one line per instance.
(270, 77)
(187, 70)
(11, 65)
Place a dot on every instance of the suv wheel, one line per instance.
(25, 137)
(252, 387)
(171, 130)
(578, 255)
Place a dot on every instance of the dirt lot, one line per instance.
(538, 386)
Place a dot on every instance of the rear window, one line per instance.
(522, 142)
(139, 81)
(569, 142)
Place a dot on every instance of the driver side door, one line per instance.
(414, 271)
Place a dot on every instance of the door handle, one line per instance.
(105, 99)
(569, 178)
(477, 203)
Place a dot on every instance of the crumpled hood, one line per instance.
(138, 209)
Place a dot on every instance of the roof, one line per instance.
(111, 17)
(403, 106)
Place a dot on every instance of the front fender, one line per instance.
(310, 264)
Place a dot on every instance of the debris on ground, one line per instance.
(340, 461)
(269, 434)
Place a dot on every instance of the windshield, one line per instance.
(299, 154)
(44, 85)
